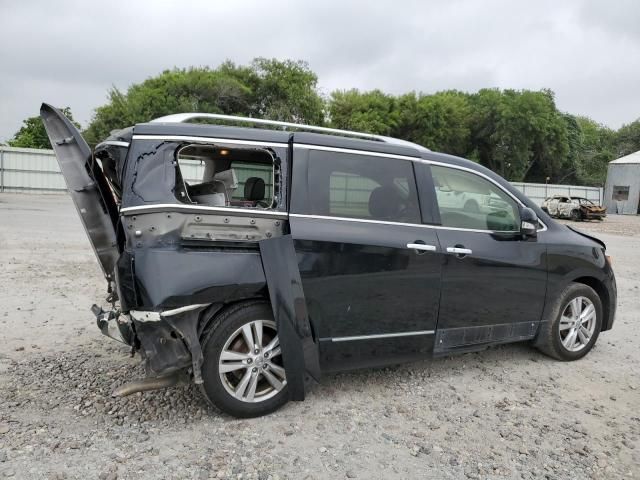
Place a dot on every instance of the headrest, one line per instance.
(254, 189)
(385, 202)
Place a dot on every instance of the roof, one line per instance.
(631, 158)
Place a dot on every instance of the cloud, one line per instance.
(70, 52)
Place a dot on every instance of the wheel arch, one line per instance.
(214, 311)
(285, 296)
(603, 293)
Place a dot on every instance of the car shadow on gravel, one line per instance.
(439, 368)
(81, 381)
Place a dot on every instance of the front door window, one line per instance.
(469, 201)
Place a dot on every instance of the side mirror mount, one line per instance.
(528, 223)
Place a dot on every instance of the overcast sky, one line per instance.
(69, 53)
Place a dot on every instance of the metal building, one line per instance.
(622, 190)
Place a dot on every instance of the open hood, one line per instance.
(87, 186)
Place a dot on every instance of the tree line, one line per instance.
(519, 134)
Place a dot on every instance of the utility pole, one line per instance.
(546, 188)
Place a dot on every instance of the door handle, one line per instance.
(422, 246)
(459, 250)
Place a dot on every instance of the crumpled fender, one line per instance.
(300, 353)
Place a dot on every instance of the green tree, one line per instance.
(597, 149)
(282, 90)
(569, 171)
(628, 139)
(518, 134)
(370, 112)
(441, 121)
(286, 91)
(32, 133)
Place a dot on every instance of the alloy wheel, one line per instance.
(250, 364)
(577, 324)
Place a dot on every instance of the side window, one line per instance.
(220, 176)
(469, 201)
(358, 186)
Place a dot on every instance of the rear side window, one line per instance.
(359, 186)
(220, 176)
(467, 200)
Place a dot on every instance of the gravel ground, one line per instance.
(505, 413)
(627, 225)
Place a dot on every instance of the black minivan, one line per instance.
(253, 260)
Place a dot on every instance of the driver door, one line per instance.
(493, 281)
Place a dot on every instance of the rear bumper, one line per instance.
(113, 324)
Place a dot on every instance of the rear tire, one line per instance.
(575, 325)
(240, 380)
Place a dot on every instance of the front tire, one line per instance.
(576, 324)
(243, 372)
(576, 216)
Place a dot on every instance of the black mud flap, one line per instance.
(299, 349)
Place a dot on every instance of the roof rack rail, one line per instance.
(185, 117)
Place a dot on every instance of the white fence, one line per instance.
(29, 170)
(37, 171)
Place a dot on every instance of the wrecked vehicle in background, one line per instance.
(254, 260)
(574, 208)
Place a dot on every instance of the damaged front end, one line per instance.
(592, 212)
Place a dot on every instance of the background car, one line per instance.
(575, 208)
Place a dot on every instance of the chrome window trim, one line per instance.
(421, 160)
(189, 138)
(381, 335)
(306, 146)
(245, 212)
(401, 224)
